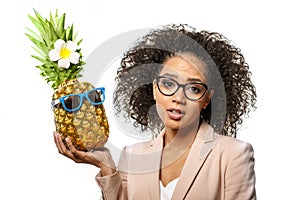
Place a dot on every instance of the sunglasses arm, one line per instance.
(55, 102)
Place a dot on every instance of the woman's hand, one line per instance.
(100, 158)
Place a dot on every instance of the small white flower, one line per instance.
(64, 53)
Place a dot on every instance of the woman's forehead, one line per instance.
(184, 67)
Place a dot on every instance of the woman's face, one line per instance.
(178, 110)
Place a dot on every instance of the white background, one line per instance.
(266, 31)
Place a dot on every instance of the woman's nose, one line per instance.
(180, 96)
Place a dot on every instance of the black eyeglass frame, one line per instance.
(181, 86)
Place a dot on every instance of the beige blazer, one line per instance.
(217, 168)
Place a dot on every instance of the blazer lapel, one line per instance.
(200, 149)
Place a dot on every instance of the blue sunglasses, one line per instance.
(73, 102)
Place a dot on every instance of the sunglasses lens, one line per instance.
(96, 96)
(72, 102)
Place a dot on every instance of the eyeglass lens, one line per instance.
(95, 96)
(192, 91)
(74, 101)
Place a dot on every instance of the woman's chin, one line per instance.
(180, 124)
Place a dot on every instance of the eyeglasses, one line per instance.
(73, 102)
(192, 91)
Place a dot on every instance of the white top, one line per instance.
(166, 192)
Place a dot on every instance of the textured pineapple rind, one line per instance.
(88, 127)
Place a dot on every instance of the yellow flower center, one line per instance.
(65, 53)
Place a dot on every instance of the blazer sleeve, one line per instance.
(240, 175)
(114, 187)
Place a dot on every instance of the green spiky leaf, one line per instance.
(48, 31)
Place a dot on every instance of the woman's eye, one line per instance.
(168, 84)
(195, 89)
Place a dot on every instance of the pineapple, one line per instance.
(87, 124)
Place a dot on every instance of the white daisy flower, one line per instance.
(64, 53)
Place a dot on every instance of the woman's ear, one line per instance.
(154, 89)
(211, 93)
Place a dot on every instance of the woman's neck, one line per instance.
(180, 137)
(177, 143)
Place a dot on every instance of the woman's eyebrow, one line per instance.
(189, 79)
(194, 80)
(170, 75)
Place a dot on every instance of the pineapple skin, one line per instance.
(87, 128)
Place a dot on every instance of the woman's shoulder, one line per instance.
(233, 147)
(232, 141)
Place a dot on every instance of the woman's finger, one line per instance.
(62, 147)
(61, 144)
(78, 155)
(69, 150)
(70, 145)
(56, 141)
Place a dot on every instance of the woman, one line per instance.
(201, 88)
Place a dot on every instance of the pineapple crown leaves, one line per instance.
(49, 31)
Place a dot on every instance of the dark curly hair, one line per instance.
(228, 75)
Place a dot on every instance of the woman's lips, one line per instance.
(175, 114)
